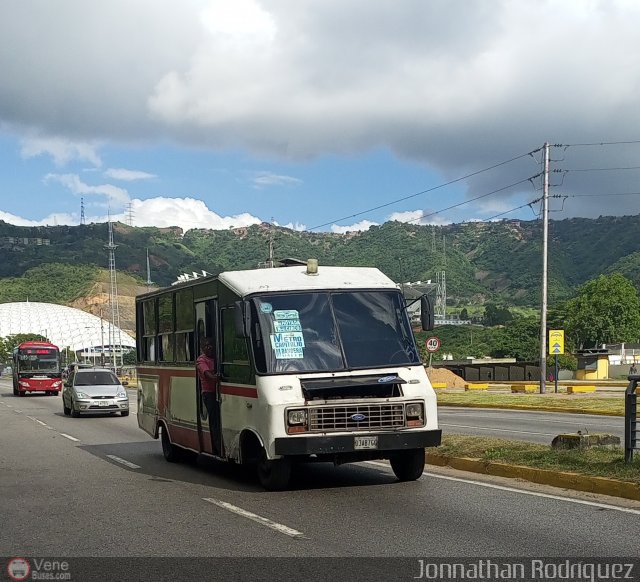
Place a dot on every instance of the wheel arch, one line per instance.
(250, 446)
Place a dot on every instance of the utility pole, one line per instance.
(545, 245)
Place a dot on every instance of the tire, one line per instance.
(21, 393)
(74, 413)
(125, 413)
(65, 408)
(274, 475)
(170, 451)
(408, 465)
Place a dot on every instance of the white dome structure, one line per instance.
(65, 327)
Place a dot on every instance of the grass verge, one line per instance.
(595, 462)
(610, 406)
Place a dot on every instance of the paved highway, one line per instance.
(99, 486)
(537, 427)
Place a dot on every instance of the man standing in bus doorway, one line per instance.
(209, 381)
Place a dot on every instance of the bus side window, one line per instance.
(235, 364)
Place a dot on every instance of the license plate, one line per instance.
(368, 442)
(105, 403)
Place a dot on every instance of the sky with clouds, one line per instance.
(319, 115)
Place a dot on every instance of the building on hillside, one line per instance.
(82, 336)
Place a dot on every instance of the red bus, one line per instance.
(36, 368)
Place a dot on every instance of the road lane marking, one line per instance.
(522, 491)
(123, 462)
(497, 429)
(17, 411)
(68, 436)
(257, 518)
(40, 422)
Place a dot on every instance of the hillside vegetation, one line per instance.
(497, 261)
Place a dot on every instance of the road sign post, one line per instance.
(556, 347)
(433, 345)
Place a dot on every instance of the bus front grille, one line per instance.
(356, 417)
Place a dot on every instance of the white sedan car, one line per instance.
(94, 390)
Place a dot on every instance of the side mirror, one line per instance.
(426, 313)
(242, 319)
(125, 383)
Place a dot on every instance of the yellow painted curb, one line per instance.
(575, 481)
(576, 389)
(476, 386)
(524, 387)
(438, 385)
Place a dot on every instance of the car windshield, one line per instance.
(332, 331)
(98, 378)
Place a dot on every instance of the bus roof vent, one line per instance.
(312, 266)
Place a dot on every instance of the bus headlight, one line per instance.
(414, 413)
(296, 421)
(297, 417)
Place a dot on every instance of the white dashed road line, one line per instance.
(68, 436)
(257, 518)
(123, 462)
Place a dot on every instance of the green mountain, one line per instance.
(498, 261)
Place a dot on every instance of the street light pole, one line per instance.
(545, 243)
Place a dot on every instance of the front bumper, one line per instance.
(93, 406)
(339, 444)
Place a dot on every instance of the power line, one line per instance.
(597, 169)
(601, 143)
(472, 199)
(428, 189)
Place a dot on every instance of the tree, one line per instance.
(519, 339)
(606, 310)
(8, 343)
(494, 315)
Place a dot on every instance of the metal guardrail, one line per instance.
(631, 418)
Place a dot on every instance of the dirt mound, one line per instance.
(447, 376)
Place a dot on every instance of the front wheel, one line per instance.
(125, 413)
(170, 451)
(74, 412)
(65, 408)
(408, 465)
(274, 475)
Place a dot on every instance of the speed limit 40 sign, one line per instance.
(432, 344)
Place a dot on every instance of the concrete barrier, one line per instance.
(438, 385)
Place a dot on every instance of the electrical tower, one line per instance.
(441, 295)
(81, 210)
(113, 299)
(130, 214)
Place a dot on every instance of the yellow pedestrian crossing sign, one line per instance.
(556, 341)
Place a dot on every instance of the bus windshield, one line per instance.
(42, 360)
(331, 331)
